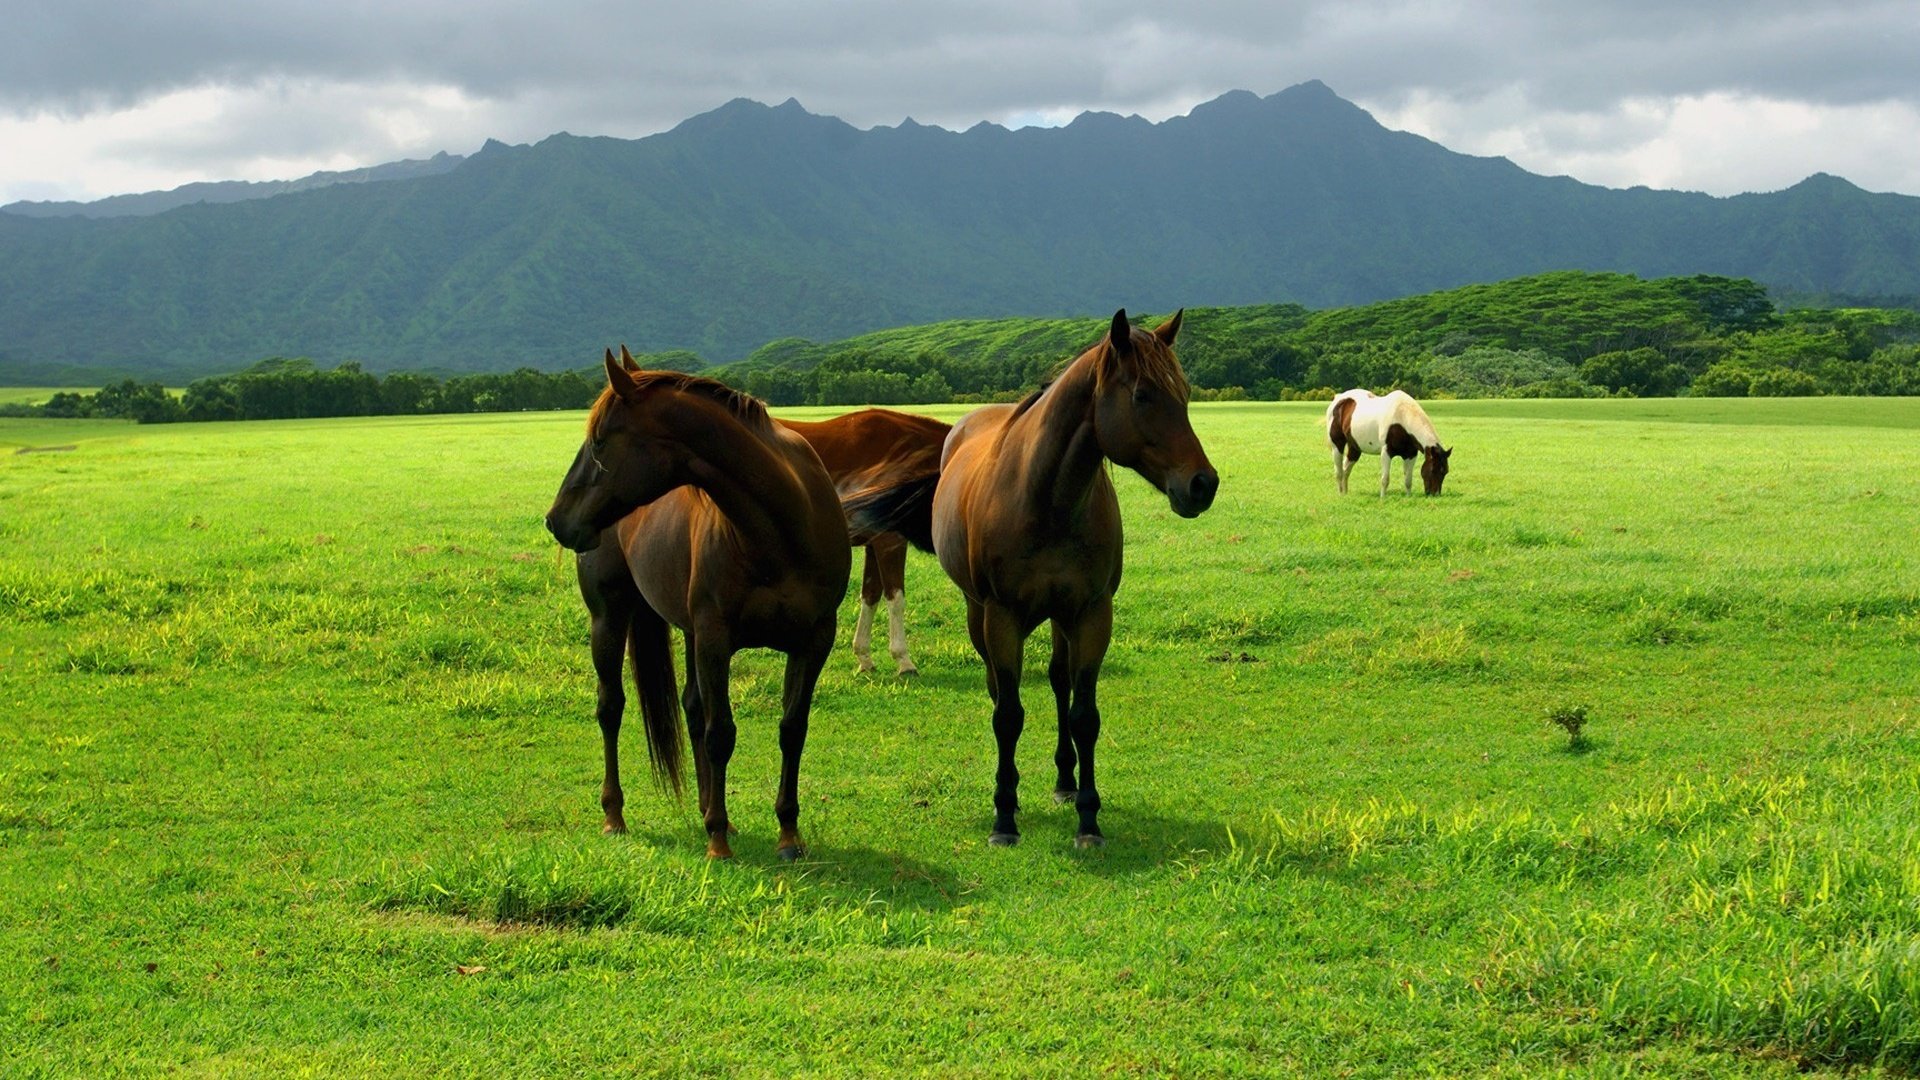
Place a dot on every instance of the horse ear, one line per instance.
(1120, 334)
(1170, 329)
(620, 379)
(626, 359)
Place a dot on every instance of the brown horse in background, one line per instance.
(1025, 520)
(863, 451)
(689, 507)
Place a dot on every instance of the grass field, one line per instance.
(298, 773)
(36, 395)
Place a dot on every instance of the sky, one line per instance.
(101, 97)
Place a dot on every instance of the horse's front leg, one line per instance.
(1002, 639)
(1086, 643)
(607, 587)
(609, 644)
(713, 663)
(1407, 471)
(803, 672)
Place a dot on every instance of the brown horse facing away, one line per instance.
(688, 506)
(865, 450)
(1025, 520)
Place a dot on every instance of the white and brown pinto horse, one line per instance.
(1394, 426)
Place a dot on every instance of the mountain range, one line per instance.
(750, 223)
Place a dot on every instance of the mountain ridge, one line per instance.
(751, 222)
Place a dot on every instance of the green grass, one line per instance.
(298, 773)
(37, 395)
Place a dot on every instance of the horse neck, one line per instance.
(1062, 446)
(747, 477)
(1412, 417)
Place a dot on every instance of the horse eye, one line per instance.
(1142, 395)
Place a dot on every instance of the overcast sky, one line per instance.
(100, 97)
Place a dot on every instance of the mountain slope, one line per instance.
(749, 223)
(227, 191)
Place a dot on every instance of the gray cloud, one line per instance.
(603, 67)
(866, 58)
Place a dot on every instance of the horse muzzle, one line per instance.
(573, 536)
(1192, 498)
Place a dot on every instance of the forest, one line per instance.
(1562, 334)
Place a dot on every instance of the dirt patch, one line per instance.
(46, 449)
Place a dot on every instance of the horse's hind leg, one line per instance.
(1386, 472)
(1060, 677)
(803, 672)
(890, 552)
(1340, 468)
(870, 588)
(1087, 641)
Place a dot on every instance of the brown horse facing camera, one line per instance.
(865, 450)
(1025, 520)
(689, 507)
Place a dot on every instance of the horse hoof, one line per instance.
(1089, 840)
(791, 852)
(614, 828)
(718, 848)
(1004, 839)
(1065, 795)
(909, 672)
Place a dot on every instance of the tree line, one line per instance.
(1569, 334)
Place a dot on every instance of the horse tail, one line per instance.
(904, 507)
(650, 646)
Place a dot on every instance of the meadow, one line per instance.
(299, 773)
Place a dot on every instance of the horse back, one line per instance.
(871, 445)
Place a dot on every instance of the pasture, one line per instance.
(299, 772)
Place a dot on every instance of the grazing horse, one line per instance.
(862, 451)
(1394, 426)
(1025, 520)
(688, 506)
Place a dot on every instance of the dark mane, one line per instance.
(1148, 360)
(1154, 363)
(745, 407)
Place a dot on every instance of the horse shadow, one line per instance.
(1139, 841)
(850, 874)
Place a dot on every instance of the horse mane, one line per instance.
(1416, 417)
(745, 407)
(1150, 362)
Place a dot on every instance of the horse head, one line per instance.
(626, 462)
(1433, 467)
(1140, 414)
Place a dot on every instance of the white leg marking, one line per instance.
(862, 634)
(1386, 472)
(1409, 472)
(897, 632)
(1340, 468)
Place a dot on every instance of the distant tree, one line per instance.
(1722, 380)
(1783, 382)
(1643, 372)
